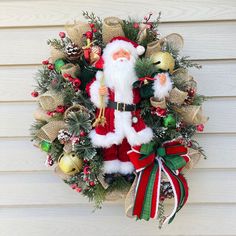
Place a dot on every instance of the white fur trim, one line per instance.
(94, 90)
(115, 46)
(140, 50)
(123, 129)
(141, 137)
(162, 91)
(126, 167)
(105, 141)
(110, 167)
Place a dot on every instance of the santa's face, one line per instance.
(121, 55)
(119, 68)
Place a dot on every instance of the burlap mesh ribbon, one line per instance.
(175, 39)
(112, 27)
(71, 69)
(192, 114)
(130, 198)
(158, 103)
(56, 54)
(50, 100)
(76, 32)
(177, 96)
(41, 115)
(75, 108)
(195, 156)
(50, 131)
(61, 174)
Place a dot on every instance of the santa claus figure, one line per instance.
(123, 126)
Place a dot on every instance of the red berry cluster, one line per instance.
(76, 82)
(60, 109)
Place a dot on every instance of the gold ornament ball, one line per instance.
(70, 163)
(163, 61)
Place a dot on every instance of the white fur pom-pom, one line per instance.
(140, 50)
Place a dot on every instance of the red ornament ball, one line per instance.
(45, 62)
(51, 67)
(86, 170)
(60, 109)
(62, 35)
(191, 92)
(136, 25)
(34, 94)
(91, 183)
(89, 35)
(200, 127)
(82, 134)
(74, 186)
(94, 30)
(91, 25)
(78, 189)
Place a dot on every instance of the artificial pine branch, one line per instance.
(97, 21)
(185, 62)
(57, 44)
(198, 100)
(130, 31)
(77, 122)
(144, 67)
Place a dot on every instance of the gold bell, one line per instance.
(163, 61)
(70, 163)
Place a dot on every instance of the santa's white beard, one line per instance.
(120, 76)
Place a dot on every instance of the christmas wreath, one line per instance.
(117, 112)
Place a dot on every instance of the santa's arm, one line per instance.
(93, 90)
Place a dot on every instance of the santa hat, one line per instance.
(139, 49)
(120, 42)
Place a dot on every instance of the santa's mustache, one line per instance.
(120, 59)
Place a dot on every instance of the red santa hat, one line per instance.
(120, 42)
(140, 49)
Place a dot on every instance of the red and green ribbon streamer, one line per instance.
(150, 163)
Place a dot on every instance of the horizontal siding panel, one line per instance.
(201, 41)
(18, 117)
(43, 188)
(192, 220)
(21, 155)
(20, 80)
(28, 13)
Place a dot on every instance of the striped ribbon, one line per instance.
(149, 164)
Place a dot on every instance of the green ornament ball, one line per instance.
(59, 63)
(45, 146)
(169, 121)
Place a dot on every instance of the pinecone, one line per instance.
(166, 190)
(73, 52)
(63, 136)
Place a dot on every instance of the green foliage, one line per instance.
(56, 43)
(43, 80)
(129, 30)
(77, 122)
(185, 62)
(144, 67)
(198, 100)
(35, 127)
(56, 150)
(97, 21)
(85, 149)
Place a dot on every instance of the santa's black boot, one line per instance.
(109, 178)
(129, 177)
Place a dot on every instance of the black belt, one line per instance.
(119, 106)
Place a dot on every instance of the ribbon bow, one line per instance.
(145, 80)
(150, 164)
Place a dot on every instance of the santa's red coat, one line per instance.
(119, 124)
